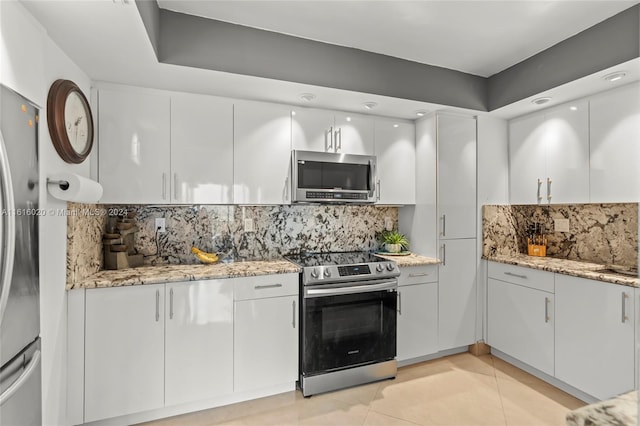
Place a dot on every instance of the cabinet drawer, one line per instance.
(263, 286)
(418, 274)
(532, 278)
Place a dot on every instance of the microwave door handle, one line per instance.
(372, 178)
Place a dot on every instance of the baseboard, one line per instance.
(429, 357)
(479, 348)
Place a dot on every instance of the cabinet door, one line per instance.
(417, 321)
(124, 351)
(594, 336)
(355, 134)
(198, 340)
(527, 160)
(566, 139)
(265, 342)
(133, 147)
(312, 130)
(457, 176)
(614, 128)
(201, 149)
(262, 153)
(396, 152)
(520, 323)
(457, 293)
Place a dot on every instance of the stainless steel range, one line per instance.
(348, 320)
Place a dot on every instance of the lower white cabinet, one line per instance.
(521, 323)
(124, 351)
(198, 340)
(417, 319)
(266, 331)
(595, 336)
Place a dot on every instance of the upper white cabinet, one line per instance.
(262, 153)
(395, 150)
(329, 131)
(124, 351)
(198, 340)
(134, 146)
(594, 336)
(456, 176)
(614, 128)
(549, 156)
(201, 149)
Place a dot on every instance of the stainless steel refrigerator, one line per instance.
(20, 373)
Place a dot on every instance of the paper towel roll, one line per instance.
(80, 188)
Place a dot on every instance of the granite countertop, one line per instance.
(620, 411)
(411, 260)
(567, 267)
(173, 273)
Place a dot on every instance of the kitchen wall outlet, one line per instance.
(248, 225)
(561, 225)
(388, 223)
(160, 225)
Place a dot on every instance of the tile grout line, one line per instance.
(504, 413)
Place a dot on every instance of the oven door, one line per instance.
(348, 325)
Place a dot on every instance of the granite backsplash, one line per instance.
(278, 230)
(599, 233)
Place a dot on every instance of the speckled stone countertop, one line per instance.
(567, 267)
(411, 260)
(173, 273)
(619, 411)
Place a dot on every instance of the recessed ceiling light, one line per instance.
(370, 105)
(348, 118)
(573, 108)
(421, 113)
(615, 76)
(541, 101)
(396, 125)
(293, 113)
(307, 97)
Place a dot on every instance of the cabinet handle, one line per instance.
(524, 277)
(293, 317)
(625, 317)
(378, 190)
(424, 274)
(171, 304)
(285, 190)
(546, 309)
(157, 305)
(175, 186)
(261, 287)
(549, 182)
(164, 186)
(539, 186)
(328, 139)
(399, 303)
(338, 139)
(444, 254)
(444, 225)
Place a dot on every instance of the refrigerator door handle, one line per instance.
(8, 228)
(26, 374)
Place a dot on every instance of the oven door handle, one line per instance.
(335, 291)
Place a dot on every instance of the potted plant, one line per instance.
(394, 242)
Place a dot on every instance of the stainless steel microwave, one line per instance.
(327, 177)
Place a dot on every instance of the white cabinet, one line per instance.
(124, 351)
(262, 153)
(456, 176)
(329, 131)
(198, 340)
(266, 331)
(549, 156)
(614, 128)
(521, 322)
(417, 312)
(457, 293)
(594, 336)
(396, 153)
(201, 149)
(133, 146)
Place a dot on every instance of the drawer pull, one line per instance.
(157, 305)
(524, 277)
(171, 304)
(293, 319)
(625, 317)
(423, 274)
(547, 318)
(399, 303)
(262, 287)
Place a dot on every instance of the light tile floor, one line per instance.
(461, 390)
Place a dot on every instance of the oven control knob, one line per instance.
(390, 267)
(326, 273)
(379, 267)
(315, 273)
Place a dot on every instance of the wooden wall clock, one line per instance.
(70, 121)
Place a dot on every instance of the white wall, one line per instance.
(493, 188)
(29, 63)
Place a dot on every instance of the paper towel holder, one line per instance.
(64, 185)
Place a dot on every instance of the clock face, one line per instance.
(76, 122)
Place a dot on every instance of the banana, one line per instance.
(204, 256)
